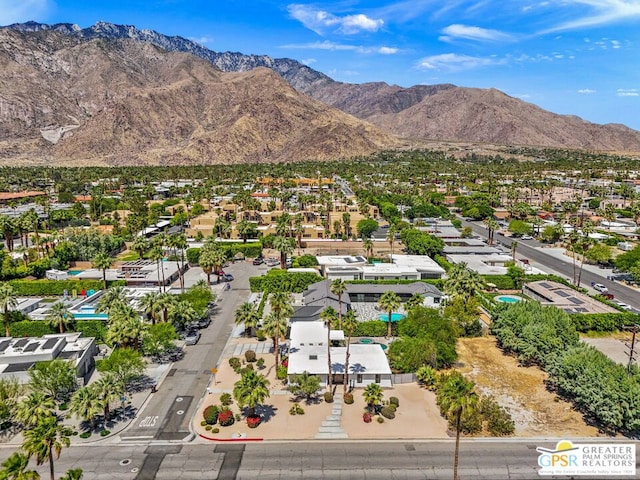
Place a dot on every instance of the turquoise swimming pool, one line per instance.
(508, 299)
(75, 272)
(395, 317)
(80, 316)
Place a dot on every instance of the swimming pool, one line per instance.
(80, 316)
(75, 272)
(508, 298)
(395, 317)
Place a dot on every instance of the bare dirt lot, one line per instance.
(536, 411)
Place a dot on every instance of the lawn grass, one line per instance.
(127, 256)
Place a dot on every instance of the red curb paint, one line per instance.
(231, 439)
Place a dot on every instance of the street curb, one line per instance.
(228, 440)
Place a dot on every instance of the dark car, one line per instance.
(258, 261)
(227, 277)
(203, 322)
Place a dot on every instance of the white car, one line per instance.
(598, 287)
(527, 237)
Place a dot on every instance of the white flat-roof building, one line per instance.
(403, 267)
(18, 355)
(492, 264)
(308, 353)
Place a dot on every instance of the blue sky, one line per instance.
(579, 57)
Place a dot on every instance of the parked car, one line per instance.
(192, 337)
(258, 261)
(204, 322)
(527, 237)
(598, 287)
(227, 277)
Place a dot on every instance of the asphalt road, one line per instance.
(527, 249)
(479, 460)
(167, 414)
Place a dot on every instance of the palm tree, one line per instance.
(246, 315)
(85, 404)
(157, 255)
(206, 261)
(367, 244)
(280, 302)
(283, 245)
(149, 305)
(179, 242)
(244, 228)
(73, 474)
(328, 315)
(462, 281)
(349, 325)
(181, 313)
(108, 389)
(457, 399)
(372, 395)
(389, 302)
(111, 298)
(492, 226)
(8, 301)
(251, 390)
(15, 468)
(8, 227)
(338, 287)
(275, 325)
(45, 440)
(140, 246)
(102, 261)
(391, 237)
(415, 301)
(59, 316)
(126, 327)
(34, 407)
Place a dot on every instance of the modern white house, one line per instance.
(308, 353)
(402, 267)
(18, 355)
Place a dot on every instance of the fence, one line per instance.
(403, 378)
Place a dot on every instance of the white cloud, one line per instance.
(466, 32)
(16, 11)
(604, 12)
(309, 61)
(628, 92)
(586, 91)
(455, 62)
(333, 46)
(321, 21)
(388, 50)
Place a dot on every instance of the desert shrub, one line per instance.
(499, 422)
(372, 328)
(225, 417)
(348, 398)
(211, 414)
(379, 419)
(86, 434)
(226, 399)
(260, 336)
(215, 430)
(328, 397)
(234, 362)
(260, 363)
(250, 356)
(394, 401)
(388, 413)
(427, 376)
(203, 423)
(296, 409)
(208, 428)
(367, 417)
(238, 417)
(470, 423)
(281, 372)
(104, 433)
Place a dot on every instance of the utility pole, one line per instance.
(631, 353)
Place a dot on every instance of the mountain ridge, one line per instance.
(421, 112)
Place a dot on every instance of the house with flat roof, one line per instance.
(403, 267)
(308, 353)
(571, 301)
(18, 355)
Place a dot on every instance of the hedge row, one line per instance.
(38, 328)
(57, 287)
(504, 282)
(283, 281)
(603, 322)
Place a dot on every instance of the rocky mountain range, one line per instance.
(422, 112)
(78, 101)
